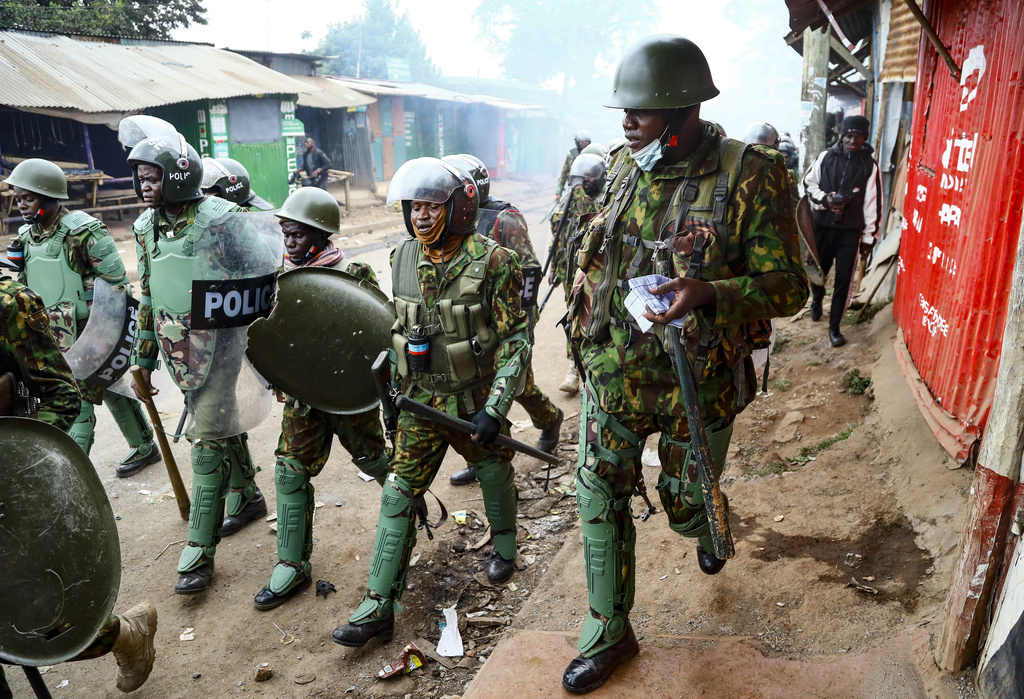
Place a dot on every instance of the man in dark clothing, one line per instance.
(844, 189)
(316, 164)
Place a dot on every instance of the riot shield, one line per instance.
(236, 258)
(320, 341)
(102, 353)
(808, 247)
(59, 551)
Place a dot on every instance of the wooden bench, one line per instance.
(338, 176)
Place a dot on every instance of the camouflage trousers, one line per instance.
(307, 434)
(543, 413)
(611, 446)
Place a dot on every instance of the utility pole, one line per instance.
(813, 95)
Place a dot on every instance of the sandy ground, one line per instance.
(840, 549)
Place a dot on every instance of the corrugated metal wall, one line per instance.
(963, 210)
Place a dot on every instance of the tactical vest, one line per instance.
(698, 202)
(457, 326)
(170, 287)
(47, 269)
(487, 216)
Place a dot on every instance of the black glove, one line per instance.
(486, 428)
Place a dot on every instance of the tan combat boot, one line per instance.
(571, 383)
(134, 649)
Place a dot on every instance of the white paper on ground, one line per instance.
(450, 645)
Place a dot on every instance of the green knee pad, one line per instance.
(132, 423)
(373, 466)
(209, 476)
(696, 526)
(498, 486)
(242, 475)
(396, 536)
(294, 524)
(609, 543)
(83, 431)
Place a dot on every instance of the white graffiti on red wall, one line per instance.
(932, 321)
(971, 74)
(944, 261)
(949, 214)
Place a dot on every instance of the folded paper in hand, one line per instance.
(640, 299)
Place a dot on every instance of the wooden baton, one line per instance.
(180, 494)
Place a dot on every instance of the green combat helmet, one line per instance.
(582, 136)
(155, 142)
(314, 207)
(40, 176)
(663, 71)
(434, 180)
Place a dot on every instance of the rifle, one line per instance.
(387, 391)
(551, 253)
(714, 500)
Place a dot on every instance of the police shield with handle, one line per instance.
(62, 563)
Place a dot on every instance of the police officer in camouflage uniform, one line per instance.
(65, 252)
(582, 140)
(586, 181)
(168, 181)
(462, 346)
(501, 222)
(31, 360)
(228, 179)
(714, 216)
(308, 218)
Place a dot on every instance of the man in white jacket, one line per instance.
(844, 189)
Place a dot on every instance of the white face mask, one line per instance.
(648, 156)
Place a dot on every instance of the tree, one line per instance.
(361, 46)
(540, 40)
(147, 20)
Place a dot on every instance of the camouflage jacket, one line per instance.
(501, 289)
(28, 351)
(581, 203)
(566, 166)
(510, 231)
(756, 273)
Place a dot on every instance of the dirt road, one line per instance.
(845, 513)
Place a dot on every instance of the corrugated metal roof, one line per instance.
(965, 192)
(91, 76)
(327, 93)
(807, 13)
(386, 88)
(900, 63)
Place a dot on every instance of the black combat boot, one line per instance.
(357, 635)
(549, 436)
(816, 308)
(195, 580)
(708, 562)
(266, 599)
(499, 570)
(587, 674)
(130, 468)
(835, 337)
(464, 477)
(254, 509)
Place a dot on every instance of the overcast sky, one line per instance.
(738, 66)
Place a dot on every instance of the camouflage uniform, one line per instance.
(421, 443)
(90, 254)
(510, 232)
(632, 389)
(28, 350)
(302, 452)
(227, 459)
(563, 177)
(580, 204)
